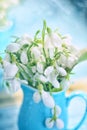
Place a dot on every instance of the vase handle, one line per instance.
(84, 97)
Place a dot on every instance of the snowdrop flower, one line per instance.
(71, 61)
(25, 39)
(57, 109)
(37, 97)
(7, 57)
(23, 57)
(56, 40)
(36, 53)
(61, 71)
(62, 61)
(52, 40)
(65, 84)
(42, 78)
(59, 123)
(49, 123)
(13, 47)
(52, 76)
(48, 70)
(23, 82)
(5, 63)
(10, 71)
(51, 53)
(40, 67)
(67, 40)
(14, 85)
(34, 68)
(47, 99)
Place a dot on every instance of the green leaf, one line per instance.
(83, 55)
(56, 89)
(36, 34)
(24, 46)
(49, 30)
(0, 59)
(43, 31)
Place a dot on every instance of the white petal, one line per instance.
(13, 47)
(23, 81)
(14, 85)
(49, 123)
(54, 82)
(58, 110)
(43, 78)
(7, 57)
(25, 39)
(62, 61)
(71, 61)
(65, 84)
(67, 40)
(36, 97)
(40, 67)
(5, 63)
(48, 99)
(59, 124)
(48, 43)
(36, 53)
(48, 70)
(10, 71)
(24, 58)
(56, 40)
(62, 71)
(34, 69)
(51, 53)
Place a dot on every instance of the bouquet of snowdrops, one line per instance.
(44, 62)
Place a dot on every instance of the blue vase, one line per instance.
(32, 115)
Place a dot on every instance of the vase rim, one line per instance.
(34, 89)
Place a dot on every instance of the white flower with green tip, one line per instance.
(59, 124)
(13, 84)
(40, 67)
(25, 39)
(51, 75)
(10, 70)
(49, 123)
(36, 53)
(57, 110)
(13, 47)
(55, 121)
(24, 57)
(37, 97)
(47, 99)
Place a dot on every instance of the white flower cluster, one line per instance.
(50, 122)
(47, 60)
(55, 109)
(44, 62)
